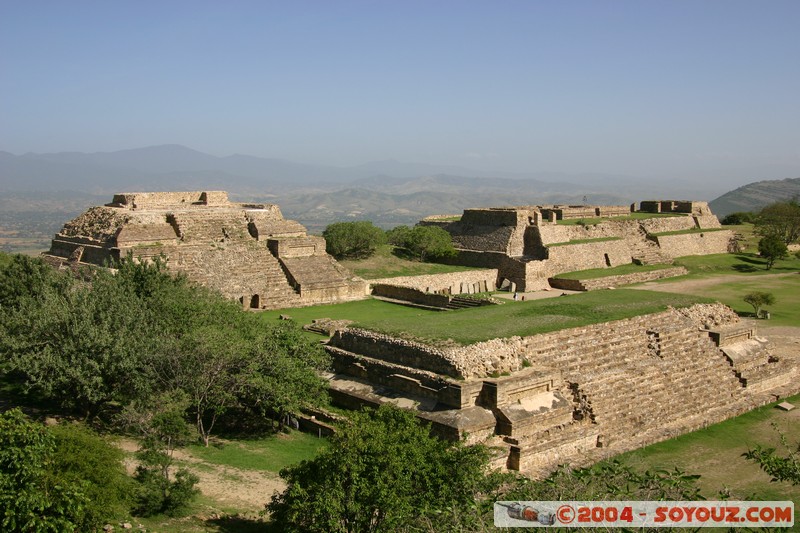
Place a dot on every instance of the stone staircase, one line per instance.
(458, 302)
(634, 385)
(644, 251)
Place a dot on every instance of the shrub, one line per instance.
(353, 240)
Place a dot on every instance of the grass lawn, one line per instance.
(584, 241)
(268, 454)
(688, 231)
(716, 454)
(466, 326)
(620, 270)
(385, 264)
(638, 215)
(743, 263)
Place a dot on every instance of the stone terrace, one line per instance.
(575, 395)
(248, 252)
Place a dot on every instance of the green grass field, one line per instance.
(716, 454)
(268, 454)
(466, 326)
(614, 271)
(385, 264)
(743, 263)
(584, 241)
(638, 215)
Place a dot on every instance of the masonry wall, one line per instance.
(588, 255)
(710, 242)
(452, 282)
(615, 281)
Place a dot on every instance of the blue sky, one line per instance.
(705, 90)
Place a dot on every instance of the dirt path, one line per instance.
(784, 340)
(245, 490)
(692, 285)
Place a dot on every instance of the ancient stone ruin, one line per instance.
(571, 396)
(529, 247)
(246, 251)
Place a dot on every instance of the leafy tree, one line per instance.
(772, 248)
(383, 472)
(280, 376)
(429, 242)
(83, 457)
(397, 235)
(32, 496)
(758, 300)
(738, 218)
(353, 240)
(159, 492)
(84, 346)
(781, 219)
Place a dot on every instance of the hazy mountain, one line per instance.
(754, 196)
(177, 167)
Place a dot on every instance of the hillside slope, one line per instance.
(754, 196)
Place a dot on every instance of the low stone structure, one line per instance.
(528, 246)
(570, 396)
(606, 282)
(248, 252)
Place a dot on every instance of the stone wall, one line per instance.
(226, 246)
(464, 282)
(409, 294)
(710, 242)
(615, 281)
(588, 255)
(139, 200)
(394, 350)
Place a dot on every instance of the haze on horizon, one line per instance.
(669, 90)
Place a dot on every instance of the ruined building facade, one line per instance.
(529, 246)
(248, 252)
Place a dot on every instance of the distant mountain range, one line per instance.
(754, 196)
(386, 192)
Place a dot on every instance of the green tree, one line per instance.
(32, 496)
(772, 248)
(159, 491)
(738, 218)
(353, 240)
(429, 242)
(397, 235)
(82, 457)
(781, 220)
(758, 300)
(281, 374)
(84, 346)
(382, 472)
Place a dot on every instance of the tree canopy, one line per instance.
(121, 339)
(382, 472)
(772, 248)
(353, 240)
(781, 220)
(423, 242)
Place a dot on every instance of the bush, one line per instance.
(33, 496)
(83, 457)
(772, 248)
(428, 242)
(397, 235)
(353, 240)
(758, 300)
(740, 217)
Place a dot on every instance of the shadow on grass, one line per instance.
(240, 524)
(745, 268)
